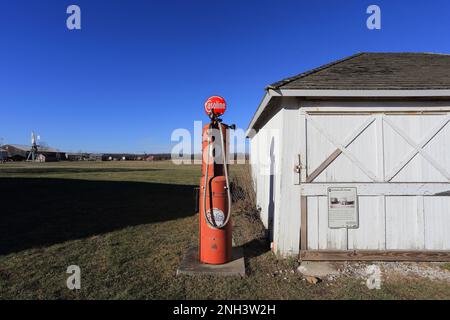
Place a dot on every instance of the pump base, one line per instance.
(191, 265)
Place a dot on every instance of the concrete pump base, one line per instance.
(191, 265)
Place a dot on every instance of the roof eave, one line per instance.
(342, 94)
(382, 93)
(264, 102)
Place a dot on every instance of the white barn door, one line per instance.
(400, 165)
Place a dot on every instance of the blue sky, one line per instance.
(140, 69)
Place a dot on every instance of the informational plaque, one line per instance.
(343, 208)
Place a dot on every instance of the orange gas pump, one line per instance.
(215, 198)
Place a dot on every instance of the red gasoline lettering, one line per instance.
(215, 105)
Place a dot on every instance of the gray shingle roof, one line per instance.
(376, 71)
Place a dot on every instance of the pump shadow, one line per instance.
(254, 248)
(40, 212)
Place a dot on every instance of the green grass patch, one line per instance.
(445, 266)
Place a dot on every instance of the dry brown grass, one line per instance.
(248, 228)
(243, 191)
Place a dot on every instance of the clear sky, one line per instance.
(140, 69)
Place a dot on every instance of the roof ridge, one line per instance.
(406, 52)
(280, 83)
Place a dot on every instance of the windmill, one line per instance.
(34, 147)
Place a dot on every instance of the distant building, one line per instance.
(43, 158)
(74, 156)
(95, 157)
(18, 152)
(120, 156)
(3, 155)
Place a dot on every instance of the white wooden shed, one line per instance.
(374, 124)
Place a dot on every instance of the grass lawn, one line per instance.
(127, 225)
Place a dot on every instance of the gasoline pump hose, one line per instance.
(205, 183)
(226, 180)
(225, 167)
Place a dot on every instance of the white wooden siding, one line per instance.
(371, 234)
(287, 236)
(399, 161)
(265, 164)
(404, 223)
(385, 223)
(283, 130)
(437, 222)
(397, 154)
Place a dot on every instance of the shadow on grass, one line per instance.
(41, 212)
(255, 248)
(72, 170)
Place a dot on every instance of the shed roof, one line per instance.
(373, 71)
(367, 74)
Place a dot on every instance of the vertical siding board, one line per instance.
(270, 161)
(382, 200)
(303, 137)
(322, 223)
(380, 147)
(420, 223)
(386, 222)
(313, 223)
